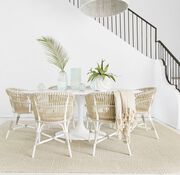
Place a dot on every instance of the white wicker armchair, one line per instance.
(52, 108)
(144, 101)
(20, 103)
(101, 110)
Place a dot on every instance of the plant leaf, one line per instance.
(106, 68)
(102, 64)
(56, 53)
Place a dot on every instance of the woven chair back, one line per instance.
(19, 100)
(144, 99)
(52, 106)
(101, 106)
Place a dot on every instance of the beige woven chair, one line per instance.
(55, 88)
(101, 110)
(144, 101)
(52, 108)
(20, 103)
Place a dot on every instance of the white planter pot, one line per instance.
(100, 84)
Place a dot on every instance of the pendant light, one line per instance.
(103, 8)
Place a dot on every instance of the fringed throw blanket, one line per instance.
(125, 113)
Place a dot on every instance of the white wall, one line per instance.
(23, 61)
(167, 101)
(165, 15)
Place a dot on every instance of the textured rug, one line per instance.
(149, 155)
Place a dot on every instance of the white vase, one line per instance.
(62, 81)
(100, 84)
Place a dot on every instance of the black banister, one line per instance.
(156, 56)
(142, 18)
(169, 52)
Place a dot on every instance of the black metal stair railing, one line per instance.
(75, 3)
(171, 63)
(142, 35)
(133, 29)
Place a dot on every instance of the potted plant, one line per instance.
(57, 57)
(100, 78)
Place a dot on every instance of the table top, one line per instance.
(68, 90)
(85, 91)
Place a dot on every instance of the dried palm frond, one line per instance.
(56, 53)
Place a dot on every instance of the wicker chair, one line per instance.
(55, 88)
(52, 108)
(101, 110)
(144, 101)
(20, 103)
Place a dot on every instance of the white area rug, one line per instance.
(149, 155)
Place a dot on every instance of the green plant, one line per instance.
(101, 70)
(56, 53)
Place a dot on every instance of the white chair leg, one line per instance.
(90, 131)
(67, 137)
(95, 143)
(68, 143)
(154, 128)
(96, 138)
(129, 149)
(10, 128)
(37, 139)
(35, 144)
(68, 123)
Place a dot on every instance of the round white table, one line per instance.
(80, 132)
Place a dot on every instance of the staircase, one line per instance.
(142, 35)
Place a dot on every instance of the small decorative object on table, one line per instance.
(57, 57)
(100, 78)
(41, 87)
(82, 87)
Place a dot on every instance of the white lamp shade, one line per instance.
(103, 8)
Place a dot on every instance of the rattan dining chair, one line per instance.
(55, 87)
(21, 105)
(144, 101)
(101, 110)
(52, 108)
